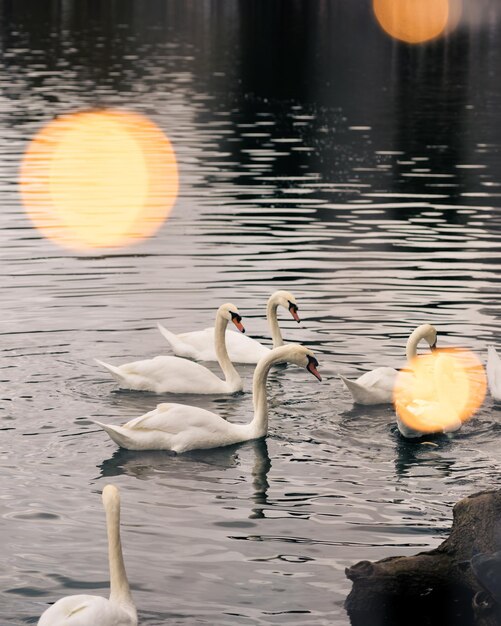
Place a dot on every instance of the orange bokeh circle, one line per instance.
(439, 391)
(99, 179)
(412, 21)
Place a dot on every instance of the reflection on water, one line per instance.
(315, 155)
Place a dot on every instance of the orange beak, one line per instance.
(293, 312)
(312, 367)
(238, 324)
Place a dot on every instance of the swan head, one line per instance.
(287, 300)
(429, 333)
(230, 312)
(299, 355)
(111, 497)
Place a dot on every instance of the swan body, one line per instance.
(180, 428)
(87, 610)
(433, 408)
(199, 345)
(376, 386)
(494, 373)
(171, 374)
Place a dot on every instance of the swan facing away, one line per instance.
(171, 374)
(494, 373)
(199, 345)
(86, 610)
(180, 428)
(376, 386)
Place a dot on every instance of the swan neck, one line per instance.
(412, 344)
(119, 584)
(259, 424)
(230, 373)
(271, 316)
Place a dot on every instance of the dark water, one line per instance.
(317, 156)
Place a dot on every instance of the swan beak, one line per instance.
(237, 320)
(293, 311)
(312, 367)
(433, 347)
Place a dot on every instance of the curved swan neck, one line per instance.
(230, 373)
(119, 584)
(412, 343)
(259, 422)
(271, 316)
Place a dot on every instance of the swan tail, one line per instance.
(119, 435)
(170, 337)
(360, 394)
(179, 347)
(114, 371)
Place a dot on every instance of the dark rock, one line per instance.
(454, 585)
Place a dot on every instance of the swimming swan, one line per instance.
(434, 412)
(376, 386)
(180, 428)
(199, 345)
(171, 374)
(494, 373)
(86, 610)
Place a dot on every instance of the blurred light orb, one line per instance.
(99, 179)
(439, 391)
(413, 21)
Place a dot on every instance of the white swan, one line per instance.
(434, 411)
(179, 427)
(494, 373)
(172, 374)
(199, 345)
(376, 386)
(86, 610)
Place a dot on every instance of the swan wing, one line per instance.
(189, 345)
(167, 374)
(244, 349)
(174, 418)
(199, 345)
(382, 378)
(374, 387)
(494, 372)
(241, 348)
(177, 427)
(84, 610)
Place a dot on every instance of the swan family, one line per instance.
(182, 428)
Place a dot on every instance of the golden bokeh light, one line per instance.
(439, 391)
(99, 179)
(413, 21)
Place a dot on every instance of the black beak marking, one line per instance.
(312, 367)
(237, 320)
(293, 311)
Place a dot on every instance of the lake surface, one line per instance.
(316, 156)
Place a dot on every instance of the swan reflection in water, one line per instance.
(427, 452)
(145, 465)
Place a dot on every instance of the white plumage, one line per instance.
(494, 373)
(199, 345)
(376, 386)
(180, 428)
(171, 374)
(87, 610)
